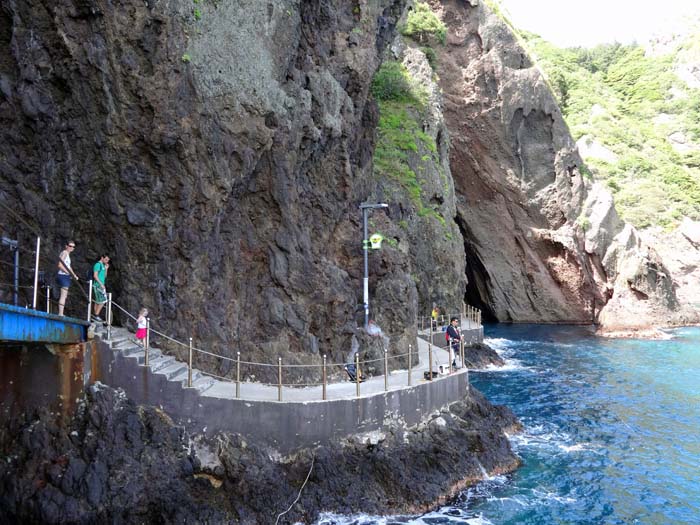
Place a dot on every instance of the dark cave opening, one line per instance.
(479, 285)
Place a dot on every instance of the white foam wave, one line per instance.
(454, 514)
(521, 501)
(535, 498)
(509, 366)
(498, 343)
(540, 436)
(665, 335)
(545, 496)
(578, 447)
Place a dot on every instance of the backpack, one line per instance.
(447, 336)
(90, 273)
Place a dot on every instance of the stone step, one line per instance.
(173, 370)
(133, 349)
(160, 362)
(153, 353)
(120, 340)
(182, 376)
(204, 383)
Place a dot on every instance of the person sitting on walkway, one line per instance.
(350, 366)
(99, 292)
(455, 336)
(64, 274)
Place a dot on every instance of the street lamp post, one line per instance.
(365, 247)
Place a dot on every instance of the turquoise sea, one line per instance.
(612, 432)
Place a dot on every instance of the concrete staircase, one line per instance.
(124, 343)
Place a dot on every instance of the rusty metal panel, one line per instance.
(32, 326)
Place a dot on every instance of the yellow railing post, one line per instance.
(148, 341)
(238, 375)
(324, 377)
(430, 353)
(279, 379)
(109, 316)
(409, 365)
(357, 374)
(450, 354)
(386, 370)
(189, 366)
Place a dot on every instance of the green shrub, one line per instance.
(430, 56)
(392, 82)
(653, 184)
(584, 223)
(422, 24)
(400, 139)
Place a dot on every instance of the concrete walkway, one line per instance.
(176, 371)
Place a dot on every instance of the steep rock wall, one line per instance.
(219, 153)
(542, 243)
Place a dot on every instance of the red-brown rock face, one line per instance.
(541, 246)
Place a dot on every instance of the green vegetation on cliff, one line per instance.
(637, 124)
(403, 149)
(422, 24)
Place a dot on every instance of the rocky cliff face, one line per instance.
(117, 461)
(219, 152)
(680, 252)
(542, 242)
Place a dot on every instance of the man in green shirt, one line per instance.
(99, 292)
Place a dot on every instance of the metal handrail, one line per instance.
(114, 303)
(275, 365)
(339, 367)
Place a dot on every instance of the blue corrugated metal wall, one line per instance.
(31, 326)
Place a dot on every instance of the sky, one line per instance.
(590, 22)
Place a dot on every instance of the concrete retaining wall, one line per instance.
(283, 426)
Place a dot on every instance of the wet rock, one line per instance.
(159, 474)
(481, 355)
(112, 461)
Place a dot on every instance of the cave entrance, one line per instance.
(479, 285)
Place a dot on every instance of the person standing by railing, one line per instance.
(455, 336)
(99, 291)
(434, 316)
(64, 274)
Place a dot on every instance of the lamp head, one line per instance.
(365, 206)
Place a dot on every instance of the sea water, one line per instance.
(612, 432)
